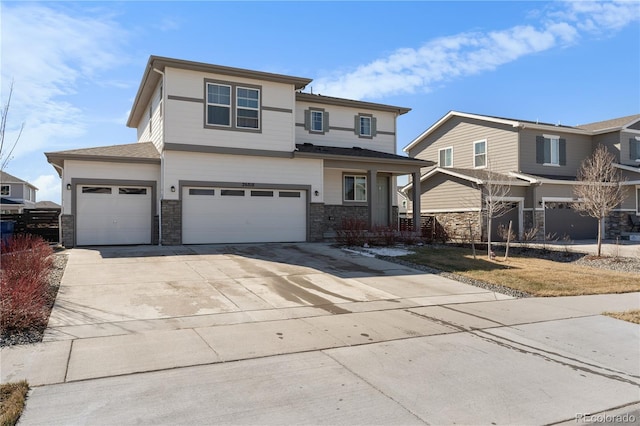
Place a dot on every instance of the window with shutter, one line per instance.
(551, 150)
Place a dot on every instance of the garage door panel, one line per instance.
(232, 215)
(121, 215)
(561, 220)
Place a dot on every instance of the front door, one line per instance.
(381, 210)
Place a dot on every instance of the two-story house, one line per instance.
(16, 194)
(228, 155)
(536, 162)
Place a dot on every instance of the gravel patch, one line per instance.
(35, 334)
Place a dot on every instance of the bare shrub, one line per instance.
(352, 232)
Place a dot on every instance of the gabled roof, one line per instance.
(47, 205)
(519, 123)
(7, 178)
(319, 151)
(476, 176)
(150, 79)
(329, 100)
(141, 152)
(611, 125)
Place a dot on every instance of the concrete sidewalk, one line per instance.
(525, 361)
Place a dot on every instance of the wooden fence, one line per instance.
(43, 223)
(430, 228)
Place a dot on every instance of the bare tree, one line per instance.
(495, 187)
(7, 150)
(600, 189)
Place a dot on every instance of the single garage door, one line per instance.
(561, 220)
(500, 225)
(111, 215)
(233, 215)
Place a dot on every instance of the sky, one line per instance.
(75, 67)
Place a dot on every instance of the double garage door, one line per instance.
(113, 214)
(243, 215)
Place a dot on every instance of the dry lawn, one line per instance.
(538, 277)
(12, 398)
(631, 316)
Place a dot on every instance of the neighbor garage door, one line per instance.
(561, 220)
(110, 215)
(233, 215)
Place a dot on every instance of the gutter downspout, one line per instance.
(159, 206)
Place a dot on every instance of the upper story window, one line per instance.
(365, 125)
(480, 154)
(355, 188)
(634, 148)
(316, 120)
(551, 150)
(5, 190)
(218, 104)
(248, 108)
(445, 157)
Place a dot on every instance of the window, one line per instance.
(288, 194)
(201, 191)
(132, 191)
(5, 190)
(232, 192)
(634, 148)
(480, 154)
(551, 150)
(355, 188)
(262, 193)
(218, 104)
(445, 157)
(247, 108)
(96, 190)
(365, 126)
(317, 121)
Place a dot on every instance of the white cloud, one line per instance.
(411, 70)
(48, 54)
(48, 188)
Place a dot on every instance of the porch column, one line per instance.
(372, 195)
(415, 195)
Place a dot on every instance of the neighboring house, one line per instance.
(228, 155)
(403, 202)
(539, 161)
(16, 194)
(48, 205)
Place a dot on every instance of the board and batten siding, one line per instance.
(106, 171)
(611, 141)
(446, 193)
(342, 132)
(461, 132)
(578, 148)
(202, 167)
(150, 128)
(185, 119)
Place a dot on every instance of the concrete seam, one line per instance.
(66, 370)
(207, 343)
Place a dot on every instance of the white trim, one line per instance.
(311, 113)
(628, 168)
(360, 117)
(366, 188)
(520, 201)
(207, 103)
(445, 149)
(529, 179)
(238, 107)
(486, 154)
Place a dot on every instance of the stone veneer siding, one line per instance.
(334, 215)
(617, 223)
(155, 236)
(530, 220)
(67, 221)
(316, 221)
(456, 224)
(171, 222)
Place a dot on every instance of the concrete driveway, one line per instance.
(309, 334)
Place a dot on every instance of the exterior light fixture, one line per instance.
(173, 188)
(316, 193)
(68, 187)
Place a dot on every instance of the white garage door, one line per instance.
(233, 215)
(109, 215)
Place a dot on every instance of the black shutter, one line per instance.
(356, 125)
(374, 126)
(633, 149)
(325, 122)
(539, 149)
(562, 147)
